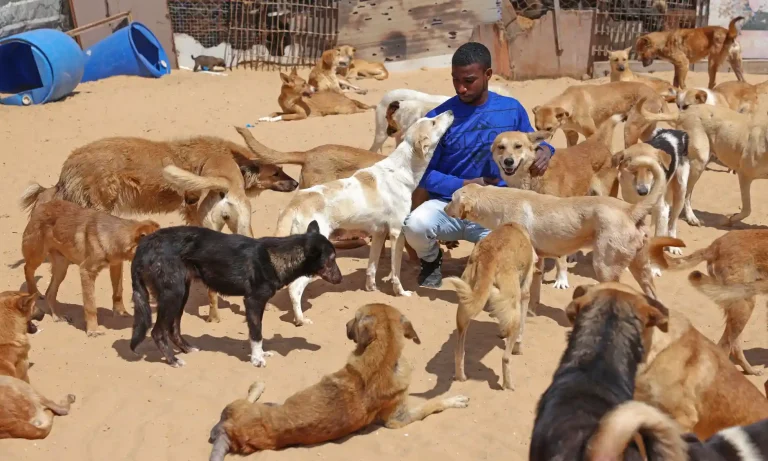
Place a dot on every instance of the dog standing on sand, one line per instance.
(371, 388)
(207, 62)
(69, 234)
(498, 279)
(235, 265)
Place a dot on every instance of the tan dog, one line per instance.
(683, 47)
(498, 279)
(583, 169)
(614, 229)
(360, 68)
(68, 234)
(582, 108)
(16, 310)
(620, 72)
(372, 387)
(734, 259)
(742, 97)
(299, 101)
(740, 143)
(324, 76)
(25, 413)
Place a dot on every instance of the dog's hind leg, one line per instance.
(698, 149)
(169, 302)
(404, 415)
(377, 244)
(734, 59)
(640, 267)
(34, 255)
(254, 312)
(561, 280)
(397, 242)
(116, 276)
(295, 291)
(571, 137)
(88, 281)
(176, 337)
(737, 315)
(59, 265)
(745, 185)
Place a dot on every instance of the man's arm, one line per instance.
(524, 125)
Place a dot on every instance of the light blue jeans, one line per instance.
(428, 223)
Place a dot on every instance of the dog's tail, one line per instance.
(664, 261)
(362, 105)
(733, 32)
(193, 56)
(35, 194)
(640, 210)
(762, 87)
(664, 116)
(142, 314)
(186, 181)
(268, 155)
(604, 133)
(719, 292)
(475, 300)
(618, 427)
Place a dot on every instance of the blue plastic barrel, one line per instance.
(39, 66)
(132, 50)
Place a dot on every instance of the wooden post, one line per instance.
(558, 45)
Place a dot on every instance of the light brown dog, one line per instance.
(583, 169)
(614, 229)
(582, 108)
(736, 258)
(620, 72)
(498, 279)
(742, 97)
(25, 413)
(68, 234)
(360, 68)
(372, 387)
(690, 378)
(16, 310)
(299, 101)
(683, 47)
(325, 75)
(739, 141)
(135, 175)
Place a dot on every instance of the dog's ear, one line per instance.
(617, 159)
(313, 227)
(408, 330)
(535, 109)
(641, 43)
(327, 57)
(362, 331)
(26, 303)
(393, 106)
(422, 145)
(286, 79)
(700, 96)
(627, 50)
(143, 229)
(657, 314)
(561, 113)
(294, 71)
(537, 137)
(578, 301)
(250, 172)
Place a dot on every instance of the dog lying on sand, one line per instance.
(371, 388)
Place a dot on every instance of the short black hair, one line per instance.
(472, 53)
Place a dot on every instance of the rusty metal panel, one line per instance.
(394, 30)
(533, 54)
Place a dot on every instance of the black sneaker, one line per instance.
(431, 276)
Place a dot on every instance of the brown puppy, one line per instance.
(582, 108)
(372, 387)
(360, 68)
(620, 72)
(68, 234)
(25, 413)
(324, 76)
(299, 100)
(736, 258)
(683, 47)
(498, 279)
(208, 61)
(16, 310)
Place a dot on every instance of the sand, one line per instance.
(131, 408)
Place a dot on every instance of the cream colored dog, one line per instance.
(620, 72)
(375, 199)
(739, 142)
(614, 229)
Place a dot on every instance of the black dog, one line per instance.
(596, 372)
(233, 265)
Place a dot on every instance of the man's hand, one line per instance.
(541, 162)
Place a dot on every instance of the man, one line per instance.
(464, 156)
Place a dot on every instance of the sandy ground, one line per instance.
(131, 408)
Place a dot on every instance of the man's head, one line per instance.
(471, 71)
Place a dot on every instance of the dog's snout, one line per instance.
(509, 162)
(642, 189)
(621, 67)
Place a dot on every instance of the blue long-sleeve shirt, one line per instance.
(464, 152)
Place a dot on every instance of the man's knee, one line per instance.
(420, 223)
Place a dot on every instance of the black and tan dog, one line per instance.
(596, 372)
(230, 264)
(371, 388)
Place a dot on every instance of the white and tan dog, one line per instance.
(376, 199)
(613, 228)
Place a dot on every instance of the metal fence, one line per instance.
(260, 33)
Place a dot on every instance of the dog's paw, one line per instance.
(371, 286)
(213, 318)
(656, 272)
(460, 377)
(402, 292)
(561, 283)
(571, 259)
(692, 220)
(677, 251)
(100, 331)
(191, 350)
(517, 349)
(260, 359)
(302, 321)
(459, 401)
(120, 312)
(178, 363)
(71, 398)
(509, 386)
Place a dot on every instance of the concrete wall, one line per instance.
(754, 29)
(18, 16)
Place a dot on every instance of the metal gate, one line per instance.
(620, 22)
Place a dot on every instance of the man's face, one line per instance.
(470, 82)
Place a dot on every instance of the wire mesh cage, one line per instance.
(260, 33)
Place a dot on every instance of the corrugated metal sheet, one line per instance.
(394, 30)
